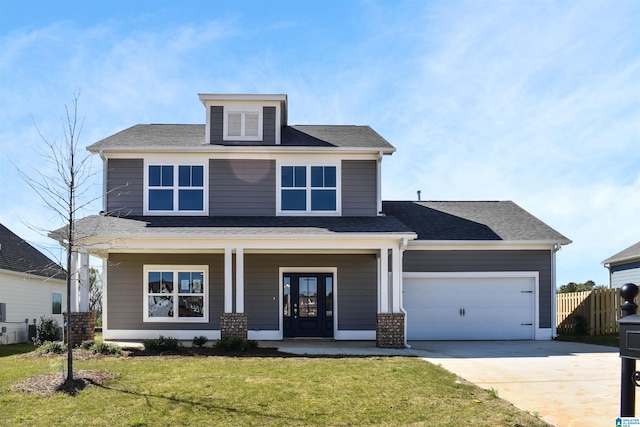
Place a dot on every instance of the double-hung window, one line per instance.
(175, 188)
(309, 189)
(175, 293)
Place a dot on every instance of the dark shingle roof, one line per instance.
(503, 220)
(239, 226)
(629, 254)
(193, 136)
(19, 256)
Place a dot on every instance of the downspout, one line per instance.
(403, 246)
(104, 180)
(554, 298)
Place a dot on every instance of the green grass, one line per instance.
(255, 391)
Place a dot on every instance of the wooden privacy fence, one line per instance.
(600, 308)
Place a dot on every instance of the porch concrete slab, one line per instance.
(566, 384)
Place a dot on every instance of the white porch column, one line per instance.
(83, 277)
(384, 281)
(228, 280)
(239, 280)
(396, 282)
(72, 305)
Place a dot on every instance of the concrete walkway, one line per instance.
(566, 384)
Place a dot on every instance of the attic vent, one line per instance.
(235, 124)
(251, 124)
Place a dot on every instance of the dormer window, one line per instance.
(243, 125)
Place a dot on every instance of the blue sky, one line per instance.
(532, 101)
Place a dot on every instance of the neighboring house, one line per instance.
(249, 226)
(624, 267)
(31, 285)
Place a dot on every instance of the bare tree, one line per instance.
(60, 186)
(95, 292)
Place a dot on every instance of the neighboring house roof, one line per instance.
(237, 226)
(167, 136)
(630, 254)
(487, 220)
(19, 256)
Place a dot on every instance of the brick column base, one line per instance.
(82, 327)
(390, 330)
(233, 325)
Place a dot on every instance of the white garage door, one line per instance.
(464, 306)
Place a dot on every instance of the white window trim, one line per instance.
(176, 163)
(61, 303)
(243, 110)
(175, 269)
(308, 188)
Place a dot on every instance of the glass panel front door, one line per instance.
(307, 304)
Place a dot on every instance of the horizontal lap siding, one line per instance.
(125, 186)
(125, 289)
(625, 273)
(487, 261)
(359, 195)
(242, 187)
(356, 288)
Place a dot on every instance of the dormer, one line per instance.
(243, 119)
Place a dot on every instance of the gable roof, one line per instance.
(192, 136)
(19, 256)
(472, 221)
(629, 254)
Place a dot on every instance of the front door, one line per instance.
(307, 304)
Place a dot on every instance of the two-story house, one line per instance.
(249, 226)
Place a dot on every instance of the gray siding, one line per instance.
(125, 186)
(269, 125)
(125, 289)
(359, 188)
(625, 273)
(472, 261)
(242, 187)
(356, 288)
(216, 123)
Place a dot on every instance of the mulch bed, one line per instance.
(47, 385)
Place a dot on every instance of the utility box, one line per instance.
(630, 336)
(3, 311)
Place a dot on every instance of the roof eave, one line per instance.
(210, 148)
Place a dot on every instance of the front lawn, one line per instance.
(254, 390)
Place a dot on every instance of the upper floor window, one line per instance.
(309, 189)
(172, 188)
(243, 125)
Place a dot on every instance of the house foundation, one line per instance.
(233, 325)
(390, 330)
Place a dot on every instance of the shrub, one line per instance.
(47, 330)
(200, 341)
(582, 324)
(87, 344)
(235, 344)
(106, 348)
(162, 344)
(53, 347)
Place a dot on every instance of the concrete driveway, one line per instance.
(567, 384)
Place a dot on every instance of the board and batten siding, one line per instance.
(125, 283)
(269, 125)
(489, 261)
(239, 187)
(359, 195)
(625, 273)
(356, 287)
(125, 186)
(216, 124)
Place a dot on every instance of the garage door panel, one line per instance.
(493, 308)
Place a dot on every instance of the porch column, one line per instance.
(239, 280)
(390, 326)
(72, 304)
(228, 280)
(383, 290)
(396, 282)
(83, 278)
